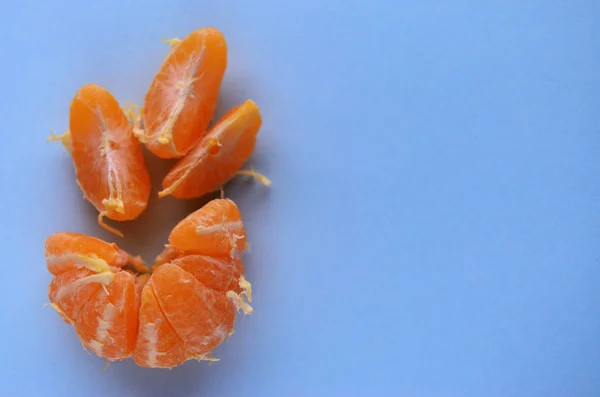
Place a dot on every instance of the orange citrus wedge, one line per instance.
(218, 157)
(108, 160)
(182, 97)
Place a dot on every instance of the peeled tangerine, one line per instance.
(183, 310)
(218, 157)
(108, 159)
(183, 95)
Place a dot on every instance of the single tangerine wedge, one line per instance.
(182, 311)
(221, 274)
(108, 160)
(215, 230)
(182, 97)
(218, 157)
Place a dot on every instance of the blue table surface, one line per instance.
(433, 224)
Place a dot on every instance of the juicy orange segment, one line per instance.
(71, 290)
(108, 324)
(214, 230)
(220, 274)
(158, 346)
(219, 155)
(182, 97)
(66, 251)
(108, 160)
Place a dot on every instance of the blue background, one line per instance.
(433, 224)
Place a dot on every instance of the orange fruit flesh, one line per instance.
(201, 317)
(183, 95)
(108, 323)
(66, 250)
(220, 154)
(108, 159)
(182, 311)
(214, 230)
(219, 274)
(158, 345)
(71, 289)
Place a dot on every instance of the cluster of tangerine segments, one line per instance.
(185, 305)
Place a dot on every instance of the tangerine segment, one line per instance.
(214, 230)
(108, 324)
(182, 97)
(66, 250)
(219, 155)
(158, 346)
(70, 290)
(108, 159)
(200, 316)
(219, 274)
